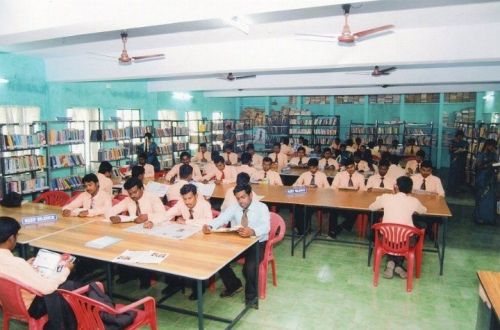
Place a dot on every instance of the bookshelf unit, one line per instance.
(113, 139)
(23, 155)
(388, 132)
(162, 135)
(422, 133)
(325, 130)
(367, 132)
(217, 130)
(277, 126)
(180, 138)
(203, 134)
(301, 124)
(244, 133)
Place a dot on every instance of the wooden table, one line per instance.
(290, 175)
(490, 282)
(198, 257)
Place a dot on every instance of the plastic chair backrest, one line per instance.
(394, 238)
(11, 299)
(159, 174)
(276, 234)
(55, 198)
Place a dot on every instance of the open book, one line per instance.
(226, 230)
(49, 263)
(141, 257)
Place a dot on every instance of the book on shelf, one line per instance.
(300, 131)
(24, 183)
(217, 126)
(61, 161)
(199, 139)
(24, 163)
(180, 130)
(67, 135)
(71, 182)
(360, 130)
(109, 134)
(325, 131)
(323, 140)
(139, 131)
(112, 154)
(164, 149)
(19, 141)
(180, 146)
(301, 122)
(163, 132)
(325, 121)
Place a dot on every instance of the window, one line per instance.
(191, 118)
(129, 114)
(217, 116)
(167, 114)
(19, 114)
(89, 150)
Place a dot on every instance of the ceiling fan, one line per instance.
(346, 37)
(377, 71)
(231, 77)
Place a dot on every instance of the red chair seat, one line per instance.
(55, 198)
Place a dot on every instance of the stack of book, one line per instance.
(72, 182)
(109, 134)
(60, 161)
(68, 135)
(18, 141)
(25, 184)
(179, 131)
(181, 146)
(112, 154)
(164, 149)
(138, 132)
(23, 163)
(325, 121)
(164, 132)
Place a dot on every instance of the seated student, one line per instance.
(23, 271)
(381, 180)
(241, 180)
(316, 152)
(313, 179)
(357, 143)
(149, 170)
(305, 144)
(202, 155)
(348, 179)
(104, 177)
(222, 173)
(267, 175)
(327, 162)
(411, 148)
(395, 171)
(278, 158)
(350, 146)
(335, 145)
(413, 165)
(246, 165)
(285, 147)
(91, 202)
(137, 172)
(210, 166)
(379, 149)
(298, 143)
(256, 158)
(344, 155)
(301, 159)
(185, 158)
(229, 156)
(141, 205)
(254, 218)
(426, 181)
(359, 164)
(395, 148)
(398, 208)
(366, 155)
(185, 177)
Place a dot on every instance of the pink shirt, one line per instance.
(233, 158)
(296, 160)
(398, 208)
(282, 159)
(105, 183)
(257, 161)
(362, 166)
(149, 171)
(412, 164)
(202, 155)
(229, 174)
(273, 177)
(375, 180)
(246, 169)
(328, 162)
(97, 205)
(148, 203)
(174, 190)
(175, 172)
(432, 184)
(320, 179)
(341, 180)
(395, 171)
(201, 211)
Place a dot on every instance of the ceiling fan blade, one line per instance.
(388, 70)
(144, 57)
(221, 78)
(360, 73)
(361, 34)
(102, 55)
(245, 77)
(315, 37)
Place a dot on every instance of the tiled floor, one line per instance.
(333, 288)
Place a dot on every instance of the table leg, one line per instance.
(293, 230)
(305, 229)
(109, 279)
(257, 262)
(370, 239)
(199, 287)
(443, 246)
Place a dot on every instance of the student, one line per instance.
(149, 147)
(359, 164)
(327, 162)
(246, 165)
(137, 172)
(23, 271)
(395, 149)
(316, 152)
(398, 208)
(141, 205)
(229, 137)
(344, 155)
(366, 155)
(256, 158)
(286, 148)
(277, 157)
(395, 171)
(357, 144)
(305, 144)
(254, 219)
(185, 158)
(185, 177)
(222, 173)
(458, 159)
(267, 175)
(350, 146)
(335, 145)
(379, 149)
(149, 170)
(413, 165)
(381, 180)
(301, 159)
(229, 199)
(411, 148)
(348, 179)
(426, 181)
(210, 166)
(104, 177)
(229, 156)
(91, 202)
(486, 184)
(202, 155)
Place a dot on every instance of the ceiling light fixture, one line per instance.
(3, 81)
(490, 95)
(182, 96)
(238, 23)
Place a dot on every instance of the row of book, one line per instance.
(164, 149)
(67, 135)
(199, 139)
(24, 163)
(242, 126)
(270, 140)
(139, 131)
(326, 131)
(110, 134)
(217, 126)
(163, 132)
(25, 184)
(180, 130)
(303, 122)
(425, 140)
(388, 130)
(166, 163)
(20, 141)
(72, 182)
(417, 131)
(322, 140)
(112, 154)
(388, 138)
(363, 130)
(181, 146)
(243, 137)
(61, 161)
(325, 121)
(299, 112)
(277, 121)
(278, 130)
(300, 131)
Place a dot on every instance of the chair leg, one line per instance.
(6, 319)
(262, 281)
(376, 267)
(273, 269)
(409, 274)
(212, 284)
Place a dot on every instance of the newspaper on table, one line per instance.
(205, 189)
(141, 257)
(227, 229)
(169, 230)
(157, 189)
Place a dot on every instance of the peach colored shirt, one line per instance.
(362, 166)
(229, 174)
(202, 155)
(320, 179)
(149, 171)
(201, 211)
(341, 180)
(432, 184)
(105, 183)
(412, 164)
(233, 158)
(174, 190)
(296, 160)
(97, 205)
(398, 208)
(273, 177)
(282, 159)
(247, 169)
(257, 161)
(375, 180)
(175, 172)
(148, 203)
(230, 199)
(323, 162)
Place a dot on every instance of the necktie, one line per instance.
(381, 182)
(276, 159)
(92, 203)
(313, 182)
(244, 218)
(418, 168)
(350, 184)
(228, 159)
(203, 156)
(223, 176)
(138, 209)
(146, 146)
(191, 214)
(300, 161)
(411, 150)
(422, 187)
(265, 175)
(356, 167)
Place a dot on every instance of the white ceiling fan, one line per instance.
(231, 77)
(376, 72)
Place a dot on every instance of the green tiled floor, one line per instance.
(333, 288)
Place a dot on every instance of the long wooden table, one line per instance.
(490, 282)
(198, 257)
(343, 199)
(290, 175)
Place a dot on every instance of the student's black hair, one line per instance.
(184, 154)
(371, 144)
(286, 140)
(386, 155)
(142, 155)
(105, 167)
(133, 182)
(357, 139)
(246, 158)
(267, 160)
(426, 164)
(380, 141)
(348, 161)
(394, 159)
(312, 162)
(228, 146)
(8, 227)
(489, 142)
(188, 188)
(242, 179)
(246, 188)
(250, 146)
(137, 170)
(203, 145)
(343, 145)
(214, 154)
(277, 144)
(218, 159)
(405, 184)
(306, 142)
(348, 142)
(357, 154)
(301, 149)
(395, 141)
(384, 162)
(327, 150)
(421, 153)
(91, 177)
(185, 171)
(148, 135)
(337, 139)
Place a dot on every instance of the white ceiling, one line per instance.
(437, 45)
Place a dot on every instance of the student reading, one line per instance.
(92, 202)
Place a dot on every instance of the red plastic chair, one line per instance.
(75, 193)
(394, 239)
(159, 175)
(87, 311)
(55, 198)
(13, 305)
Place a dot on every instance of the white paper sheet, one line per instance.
(205, 189)
(167, 230)
(141, 257)
(102, 242)
(157, 189)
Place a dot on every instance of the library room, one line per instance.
(230, 164)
